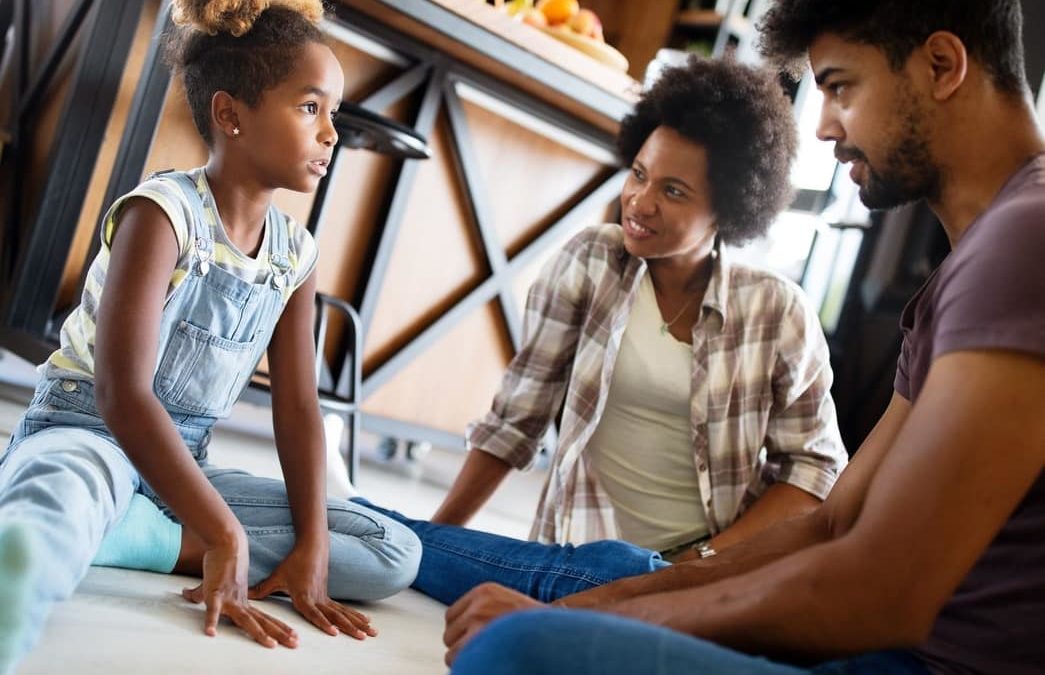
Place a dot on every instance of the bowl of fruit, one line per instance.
(567, 21)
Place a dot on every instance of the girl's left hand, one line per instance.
(303, 577)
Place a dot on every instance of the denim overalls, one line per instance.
(65, 477)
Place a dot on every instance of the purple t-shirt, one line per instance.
(990, 294)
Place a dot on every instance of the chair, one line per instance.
(339, 397)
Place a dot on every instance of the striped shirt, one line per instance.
(74, 359)
(760, 408)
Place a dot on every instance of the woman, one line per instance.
(677, 367)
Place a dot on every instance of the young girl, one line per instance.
(197, 276)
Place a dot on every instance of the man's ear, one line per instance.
(949, 62)
(224, 114)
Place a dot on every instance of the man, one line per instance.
(929, 554)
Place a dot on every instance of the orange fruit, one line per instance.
(558, 11)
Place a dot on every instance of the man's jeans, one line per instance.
(455, 560)
(578, 642)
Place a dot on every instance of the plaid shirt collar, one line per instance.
(715, 298)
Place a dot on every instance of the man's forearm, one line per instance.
(771, 544)
(815, 604)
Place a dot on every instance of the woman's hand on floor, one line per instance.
(224, 590)
(303, 577)
(477, 608)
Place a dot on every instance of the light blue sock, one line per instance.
(16, 567)
(144, 540)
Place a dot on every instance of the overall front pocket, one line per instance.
(202, 373)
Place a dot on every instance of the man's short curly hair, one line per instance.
(242, 47)
(992, 31)
(744, 121)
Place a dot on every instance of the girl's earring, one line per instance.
(235, 131)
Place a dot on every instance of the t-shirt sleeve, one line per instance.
(166, 194)
(304, 254)
(992, 296)
(902, 381)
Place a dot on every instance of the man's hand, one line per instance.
(224, 590)
(303, 577)
(475, 609)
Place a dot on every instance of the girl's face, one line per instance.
(666, 208)
(289, 136)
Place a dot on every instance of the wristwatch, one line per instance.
(704, 550)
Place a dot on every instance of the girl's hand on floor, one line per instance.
(303, 576)
(224, 590)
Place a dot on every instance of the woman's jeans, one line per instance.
(578, 642)
(66, 481)
(455, 560)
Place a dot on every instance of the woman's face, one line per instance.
(666, 207)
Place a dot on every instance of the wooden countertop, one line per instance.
(492, 42)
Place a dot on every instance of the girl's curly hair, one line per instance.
(744, 121)
(242, 47)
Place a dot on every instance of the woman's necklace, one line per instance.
(665, 326)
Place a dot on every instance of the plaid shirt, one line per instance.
(760, 411)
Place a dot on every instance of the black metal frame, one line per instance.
(433, 77)
(81, 131)
(144, 117)
(404, 183)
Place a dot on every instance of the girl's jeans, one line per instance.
(65, 479)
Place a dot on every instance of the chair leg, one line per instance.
(350, 442)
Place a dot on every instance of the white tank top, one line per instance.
(642, 451)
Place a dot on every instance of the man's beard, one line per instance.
(909, 173)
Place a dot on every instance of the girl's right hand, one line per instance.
(224, 590)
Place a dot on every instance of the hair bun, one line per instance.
(236, 16)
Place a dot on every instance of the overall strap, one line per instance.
(279, 250)
(198, 228)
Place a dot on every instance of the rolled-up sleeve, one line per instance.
(535, 382)
(804, 447)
